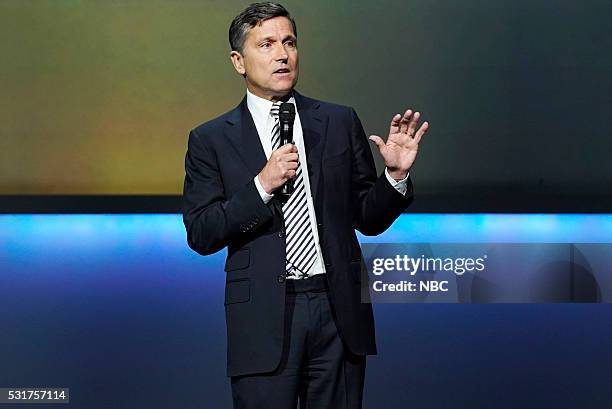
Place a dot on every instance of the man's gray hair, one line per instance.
(252, 16)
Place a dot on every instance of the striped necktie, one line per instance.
(301, 250)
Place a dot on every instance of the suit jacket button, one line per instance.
(281, 233)
(281, 278)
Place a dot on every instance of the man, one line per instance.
(296, 325)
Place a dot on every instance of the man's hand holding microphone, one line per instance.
(280, 168)
(283, 163)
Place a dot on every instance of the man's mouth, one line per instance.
(281, 71)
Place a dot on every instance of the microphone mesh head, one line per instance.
(287, 112)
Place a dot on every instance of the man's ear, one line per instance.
(237, 62)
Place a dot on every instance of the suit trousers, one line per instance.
(315, 366)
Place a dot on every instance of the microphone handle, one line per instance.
(286, 136)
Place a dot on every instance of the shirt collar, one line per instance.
(261, 107)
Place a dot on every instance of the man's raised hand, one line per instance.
(400, 150)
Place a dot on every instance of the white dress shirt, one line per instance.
(264, 122)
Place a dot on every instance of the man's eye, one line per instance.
(266, 45)
(290, 43)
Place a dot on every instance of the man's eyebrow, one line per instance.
(270, 38)
(260, 40)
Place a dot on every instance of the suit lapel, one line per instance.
(314, 124)
(243, 135)
(245, 139)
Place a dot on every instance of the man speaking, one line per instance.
(287, 212)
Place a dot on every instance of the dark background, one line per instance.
(98, 97)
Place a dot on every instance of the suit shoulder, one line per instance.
(212, 126)
(331, 107)
(336, 110)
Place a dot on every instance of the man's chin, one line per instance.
(281, 92)
(284, 89)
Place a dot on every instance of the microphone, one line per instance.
(286, 117)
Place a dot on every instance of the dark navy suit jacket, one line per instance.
(222, 208)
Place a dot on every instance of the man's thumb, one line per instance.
(377, 140)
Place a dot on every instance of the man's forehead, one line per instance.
(272, 27)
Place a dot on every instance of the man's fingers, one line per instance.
(421, 132)
(413, 123)
(285, 153)
(286, 148)
(290, 164)
(404, 121)
(290, 157)
(395, 122)
(377, 140)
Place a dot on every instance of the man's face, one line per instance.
(269, 58)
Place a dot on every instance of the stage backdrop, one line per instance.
(98, 96)
(118, 309)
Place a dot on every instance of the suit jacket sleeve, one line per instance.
(211, 219)
(377, 203)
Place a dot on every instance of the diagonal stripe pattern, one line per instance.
(299, 238)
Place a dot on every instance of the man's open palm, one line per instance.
(400, 150)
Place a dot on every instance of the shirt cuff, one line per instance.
(399, 185)
(265, 196)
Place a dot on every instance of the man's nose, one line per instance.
(281, 53)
